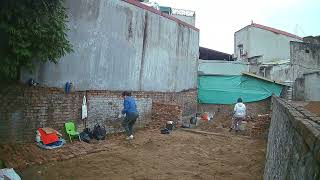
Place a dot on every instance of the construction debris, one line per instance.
(161, 113)
(261, 125)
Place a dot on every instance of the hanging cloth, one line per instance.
(84, 108)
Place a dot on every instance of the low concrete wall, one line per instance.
(293, 150)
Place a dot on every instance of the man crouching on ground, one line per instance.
(239, 115)
(130, 110)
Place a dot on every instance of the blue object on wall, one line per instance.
(68, 87)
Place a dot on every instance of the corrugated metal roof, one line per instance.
(263, 78)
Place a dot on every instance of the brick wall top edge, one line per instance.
(25, 87)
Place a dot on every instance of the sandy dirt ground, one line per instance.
(151, 155)
(314, 107)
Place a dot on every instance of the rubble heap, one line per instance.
(161, 113)
(261, 125)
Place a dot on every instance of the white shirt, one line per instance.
(240, 110)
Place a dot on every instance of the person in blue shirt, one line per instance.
(131, 112)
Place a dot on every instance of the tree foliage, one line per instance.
(31, 31)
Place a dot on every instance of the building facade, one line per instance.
(259, 43)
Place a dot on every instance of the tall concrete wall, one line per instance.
(120, 46)
(293, 150)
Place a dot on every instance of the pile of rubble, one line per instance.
(261, 125)
(161, 113)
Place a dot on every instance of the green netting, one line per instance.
(227, 89)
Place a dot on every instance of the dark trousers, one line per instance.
(129, 121)
(236, 122)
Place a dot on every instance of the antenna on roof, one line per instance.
(297, 29)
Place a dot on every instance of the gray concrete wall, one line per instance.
(120, 46)
(293, 150)
(305, 58)
(281, 73)
(222, 67)
(241, 37)
(298, 89)
(312, 87)
(260, 42)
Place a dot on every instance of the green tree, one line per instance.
(31, 31)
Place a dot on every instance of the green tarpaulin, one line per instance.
(227, 89)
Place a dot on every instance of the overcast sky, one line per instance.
(219, 19)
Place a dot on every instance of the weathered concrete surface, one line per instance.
(293, 150)
(305, 58)
(119, 46)
(312, 86)
(215, 67)
(260, 42)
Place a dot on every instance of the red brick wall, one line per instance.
(23, 109)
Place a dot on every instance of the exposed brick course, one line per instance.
(24, 109)
(161, 113)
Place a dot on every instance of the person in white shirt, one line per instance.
(239, 114)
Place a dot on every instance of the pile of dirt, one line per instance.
(222, 123)
(161, 113)
(261, 126)
(314, 107)
(20, 156)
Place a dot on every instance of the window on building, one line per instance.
(240, 46)
(307, 51)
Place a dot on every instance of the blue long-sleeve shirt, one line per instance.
(129, 105)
